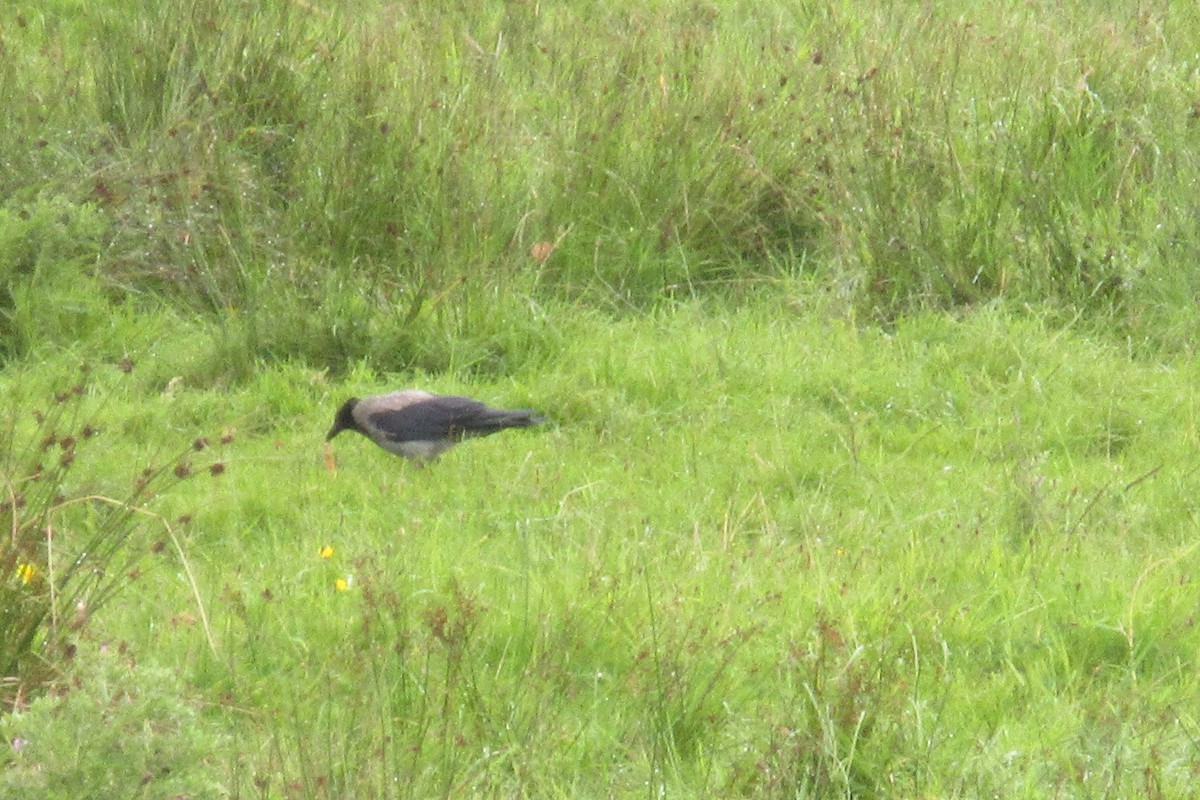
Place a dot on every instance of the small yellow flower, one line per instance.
(341, 584)
(27, 572)
(326, 551)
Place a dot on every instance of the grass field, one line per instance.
(865, 333)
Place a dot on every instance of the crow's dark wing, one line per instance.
(444, 417)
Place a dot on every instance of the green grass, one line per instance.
(933, 158)
(867, 348)
(950, 560)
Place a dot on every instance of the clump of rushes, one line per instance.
(67, 548)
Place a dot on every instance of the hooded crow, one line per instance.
(421, 426)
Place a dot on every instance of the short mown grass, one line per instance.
(865, 335)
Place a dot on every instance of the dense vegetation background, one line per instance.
(866, 330)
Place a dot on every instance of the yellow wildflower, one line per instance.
(27, 572)
(326, 551)
(341, 584)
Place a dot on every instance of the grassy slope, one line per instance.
(761, 549)
(754, 552)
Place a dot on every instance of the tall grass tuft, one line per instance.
(427, 161)
(70, 545)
